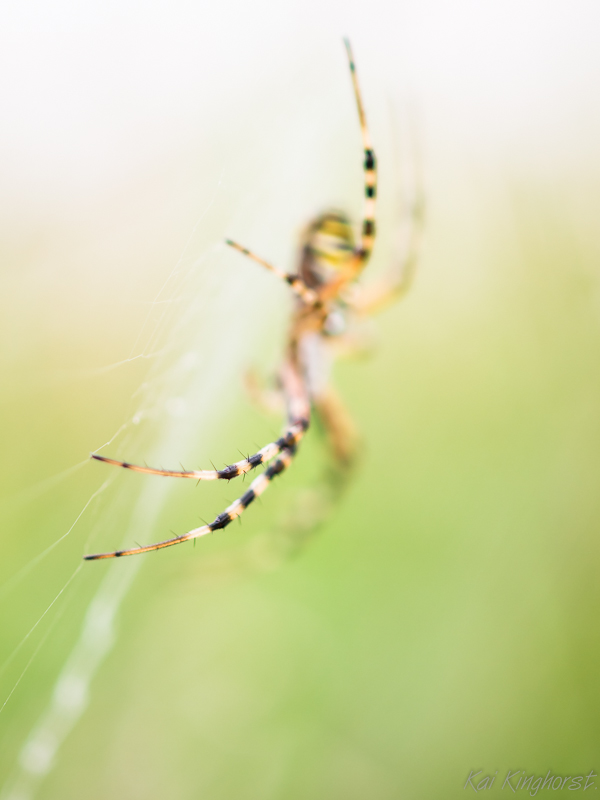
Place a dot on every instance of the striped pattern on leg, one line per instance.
(367, 237)
(295, 281)
(236, 509)
(290, 438)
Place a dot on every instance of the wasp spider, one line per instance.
(330, 261)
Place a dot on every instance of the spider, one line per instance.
(330, 262)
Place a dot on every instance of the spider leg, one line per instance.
(299, 419)
(291, 436)
(298, 286)
(395, 285)
(311, 507)
(298, 412)
(367, 237)
(399, 278)
(257, 487)
(269, 400)
(339, 427)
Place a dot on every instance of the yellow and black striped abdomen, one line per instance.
(328, 246)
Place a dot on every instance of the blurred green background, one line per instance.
(444, 619)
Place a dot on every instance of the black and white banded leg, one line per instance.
(367, 238)
(236, 509)
(284, 448)
(290, 438)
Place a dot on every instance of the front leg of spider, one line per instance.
(263, 456)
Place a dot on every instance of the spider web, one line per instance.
(198, 341)
(212, 315)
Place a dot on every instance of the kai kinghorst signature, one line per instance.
(531, 783)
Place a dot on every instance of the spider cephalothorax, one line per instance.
(329, 261)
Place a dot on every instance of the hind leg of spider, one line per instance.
(296, 283)
(236, 509)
